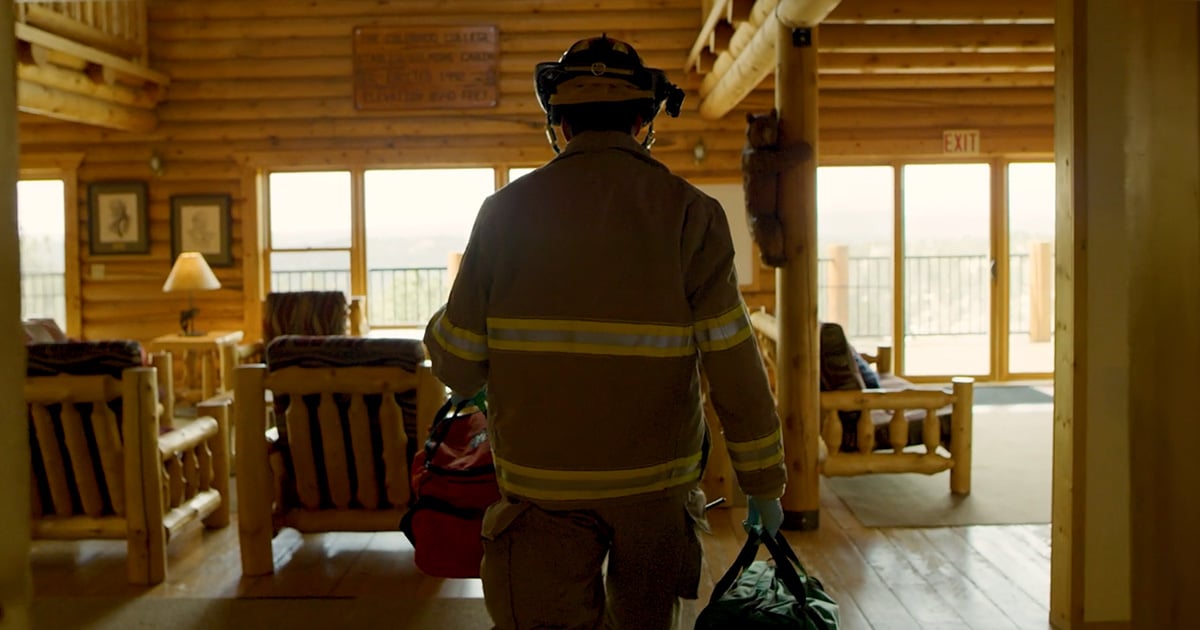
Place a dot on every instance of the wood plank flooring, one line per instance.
(978, 578)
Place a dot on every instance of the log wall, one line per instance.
(255, 78)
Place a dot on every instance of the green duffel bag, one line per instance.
(760, 595)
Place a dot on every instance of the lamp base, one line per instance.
(187, 321)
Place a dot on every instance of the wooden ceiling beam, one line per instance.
(716, 12)
(757, 60)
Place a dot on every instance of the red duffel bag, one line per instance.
(453, 483)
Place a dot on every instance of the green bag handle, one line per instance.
(786, 565)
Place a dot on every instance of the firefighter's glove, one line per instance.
(765, 512)
(478, 399)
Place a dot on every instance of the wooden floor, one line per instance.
(986, 577)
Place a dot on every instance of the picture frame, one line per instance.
(118, 221)
(202, 223)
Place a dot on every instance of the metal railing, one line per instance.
(945, 295)
(44, 295)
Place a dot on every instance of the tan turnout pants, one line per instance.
(545, 569)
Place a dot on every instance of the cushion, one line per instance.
(869, 376)
(305, 313)
(342, 351)
(43, 330)
(83, 358)
(839, 371)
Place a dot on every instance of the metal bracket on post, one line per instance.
(802, 37)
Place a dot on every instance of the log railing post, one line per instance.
(253, 471)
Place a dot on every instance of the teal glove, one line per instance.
(479, 400)
(765, 512)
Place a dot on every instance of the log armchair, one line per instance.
(325, 432)
(107, 462)
(874, 430)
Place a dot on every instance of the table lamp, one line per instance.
(191, 273)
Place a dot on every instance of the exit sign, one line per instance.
(960, 141)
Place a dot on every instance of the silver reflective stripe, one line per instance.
(759, 454)
(460, 342)
(562, 485)
(590, 337)
(724, 331)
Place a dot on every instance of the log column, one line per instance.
(796, 282)
(16, 587)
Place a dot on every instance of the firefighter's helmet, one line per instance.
(603, 70)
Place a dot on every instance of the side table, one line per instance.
(206, 361)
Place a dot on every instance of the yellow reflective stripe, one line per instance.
(758, 454)
(754, 445)
(757, 464)
(538, 483)
(460, 342)
(590, 337)
(724, 331)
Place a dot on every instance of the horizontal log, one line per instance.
(47, 390)
(518, 84)
(950, 80)
(77, 82)
(194, 509)
(865, 63)
(186, 437)
(352, 380)
(879, 399)
(308, 25)
(544, 42)
(227, 9)
(314, 521)
(56, 103)
(943, 12)
(80, 528)
(879, 38)
(841, 465)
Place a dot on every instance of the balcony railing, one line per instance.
(945, 295)
(44, 295)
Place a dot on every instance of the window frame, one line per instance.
(64, 167)
(257, 270)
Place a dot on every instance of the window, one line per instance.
(41, 222)
(387, 234)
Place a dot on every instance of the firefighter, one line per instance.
(591, 295)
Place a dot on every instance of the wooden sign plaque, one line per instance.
(425, 67)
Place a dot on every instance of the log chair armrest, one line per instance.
(882, 359)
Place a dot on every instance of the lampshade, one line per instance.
(191, 273)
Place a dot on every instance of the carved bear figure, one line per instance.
(762, 162)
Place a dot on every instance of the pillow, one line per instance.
(838, 368)
(43, 330)
(869, 376)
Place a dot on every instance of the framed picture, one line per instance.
(118, 222)
(201, 223)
